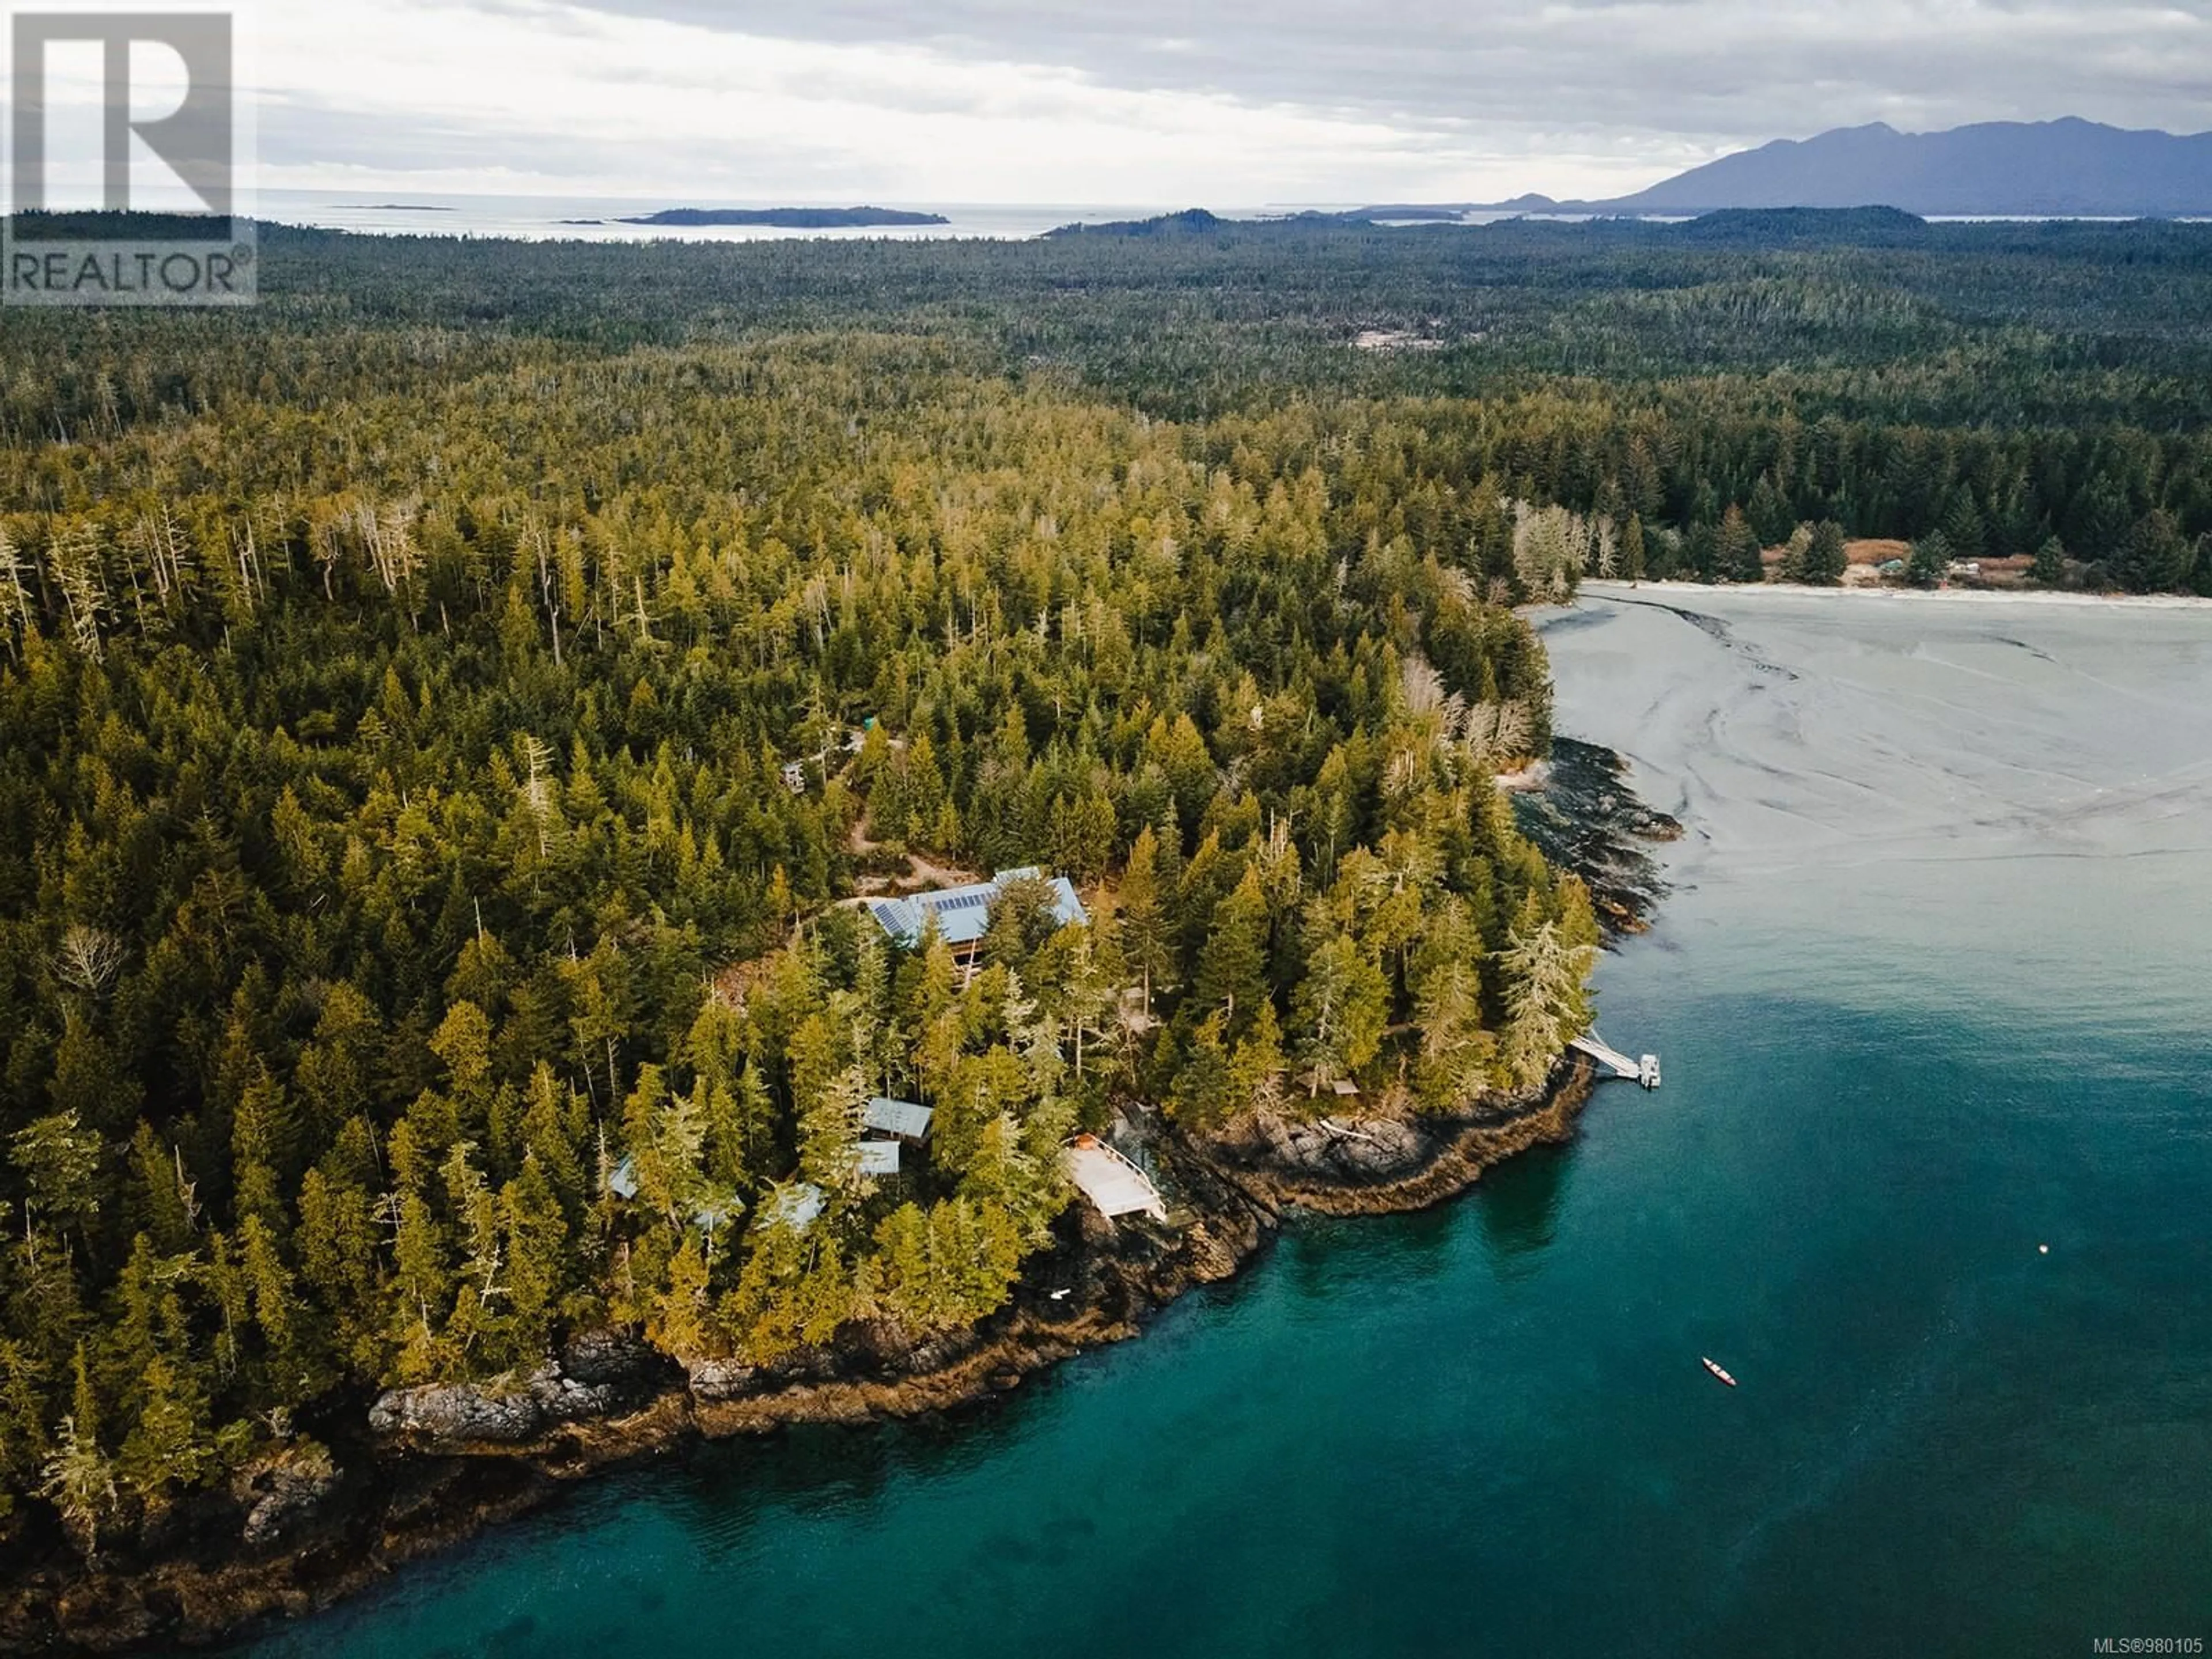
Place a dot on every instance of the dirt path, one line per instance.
(922, 872)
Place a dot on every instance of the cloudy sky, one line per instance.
(1226, 102)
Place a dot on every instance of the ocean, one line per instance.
(544, 218)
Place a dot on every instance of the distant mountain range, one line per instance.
(2070, 167)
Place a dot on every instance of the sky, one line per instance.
(1225, 103)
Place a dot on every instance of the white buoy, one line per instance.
(2044, 1248)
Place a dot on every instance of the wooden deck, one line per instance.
(1110, 1180)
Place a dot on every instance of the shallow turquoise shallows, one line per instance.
(1934, 990)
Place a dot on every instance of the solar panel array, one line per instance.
(962, 912)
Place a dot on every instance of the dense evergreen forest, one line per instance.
(404, 684)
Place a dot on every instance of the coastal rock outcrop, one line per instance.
(720, 1379)
(610, 1357)
(1382, 1149)
(284, 1492)
(453, 1417)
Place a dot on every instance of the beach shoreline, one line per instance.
(1602, 589)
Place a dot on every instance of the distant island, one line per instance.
(788, 218)
(1189, 222)
(2068, 168)
(1874, 227)
(398, 207)
(1197, 221)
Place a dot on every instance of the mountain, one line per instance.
(2069, 168)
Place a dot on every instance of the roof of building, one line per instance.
(796, 1206)
(718, 1211)
(880, 1158)
(964, 913)
(898, 1117)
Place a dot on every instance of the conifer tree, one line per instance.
(1825, 558)
(2049, 568)
(78, 1478)
(1339, 1012)
(1736, 552)
(1231, 978)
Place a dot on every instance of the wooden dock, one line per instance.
(1643, 1070)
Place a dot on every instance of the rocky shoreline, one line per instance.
(412, 1472)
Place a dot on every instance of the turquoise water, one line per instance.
(1900, 1054)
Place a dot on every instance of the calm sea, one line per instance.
(537, 218)
(1935, 991)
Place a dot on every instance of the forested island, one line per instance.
(452, 706)
(790, 218)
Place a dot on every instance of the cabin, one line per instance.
(900, 1119)
(963, 915)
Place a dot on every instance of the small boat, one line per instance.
(1717, 1371)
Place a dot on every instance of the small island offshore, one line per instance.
(788, 218)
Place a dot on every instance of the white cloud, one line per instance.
(1166, 101)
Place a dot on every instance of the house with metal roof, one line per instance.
(902, 1119)
(963, 915)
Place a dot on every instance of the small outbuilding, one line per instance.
(880, 1158)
